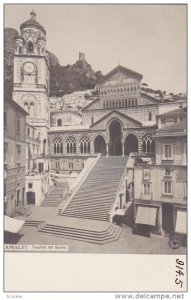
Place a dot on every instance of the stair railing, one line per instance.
(112, 209)
(62, 208)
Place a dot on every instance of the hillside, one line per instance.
(63, 79)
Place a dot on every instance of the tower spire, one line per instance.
(33, 15)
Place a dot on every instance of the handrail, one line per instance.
(117, 192)
(79, 184)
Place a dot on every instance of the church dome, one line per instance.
(32, 23)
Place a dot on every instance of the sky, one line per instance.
(149, 39)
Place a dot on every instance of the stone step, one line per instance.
(89, 236)
(93, 197)
(32, 223)
(96, 216)
(98, 205)
(111, 228)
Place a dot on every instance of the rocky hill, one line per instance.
(63, 79)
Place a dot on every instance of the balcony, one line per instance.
(147, 196)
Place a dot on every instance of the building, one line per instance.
(31, 91)
(161, 203)
(121, 120)
(14, 156)
(67, 117)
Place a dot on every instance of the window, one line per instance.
(168, 172)
(18, 126)
(167, 188)
(29, 152)
(28, 131)
(150, 116)
(30, 47)
(147, 188)
(168, 151)
(85, 145)
(5, 152)
(5, 119)
(146, 174)
(71, 165)
(57, 165)
(40, 167)
(30, 185)
(58, 145)
(71, 144)
(147, 143)
(184, 157)
(18, 152)
(59, 122)
(20, 49)
(169, 121)
(185, 189)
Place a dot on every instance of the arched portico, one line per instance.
(115, 138)
(130, 144)
(100, 145)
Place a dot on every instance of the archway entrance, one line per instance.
(131, 144)
(100, 145)
(115, 138)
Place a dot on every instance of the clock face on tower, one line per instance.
(29, 67)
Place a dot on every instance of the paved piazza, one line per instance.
(128, 243)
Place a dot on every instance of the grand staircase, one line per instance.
(56, 195)
(97, 193)
(85, 217)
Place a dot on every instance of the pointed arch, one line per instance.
(148, 144)
(85, 144)
(71, 144)
(57, 145)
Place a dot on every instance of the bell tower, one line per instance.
(31, 77)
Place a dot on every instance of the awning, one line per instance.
(181, 226)
(146, 215)
(12, 225)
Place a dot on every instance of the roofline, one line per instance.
(152, 98)
(124, 69)
(119, 114)
(170, 135)
(17, 106)
(89, 104)
(178, 110)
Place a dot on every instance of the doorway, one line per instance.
(131, 144)
(115, 138)
(167, 218)
(30, 197)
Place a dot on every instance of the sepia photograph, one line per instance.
(95, 129)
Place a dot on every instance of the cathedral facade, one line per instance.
(121, 120)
